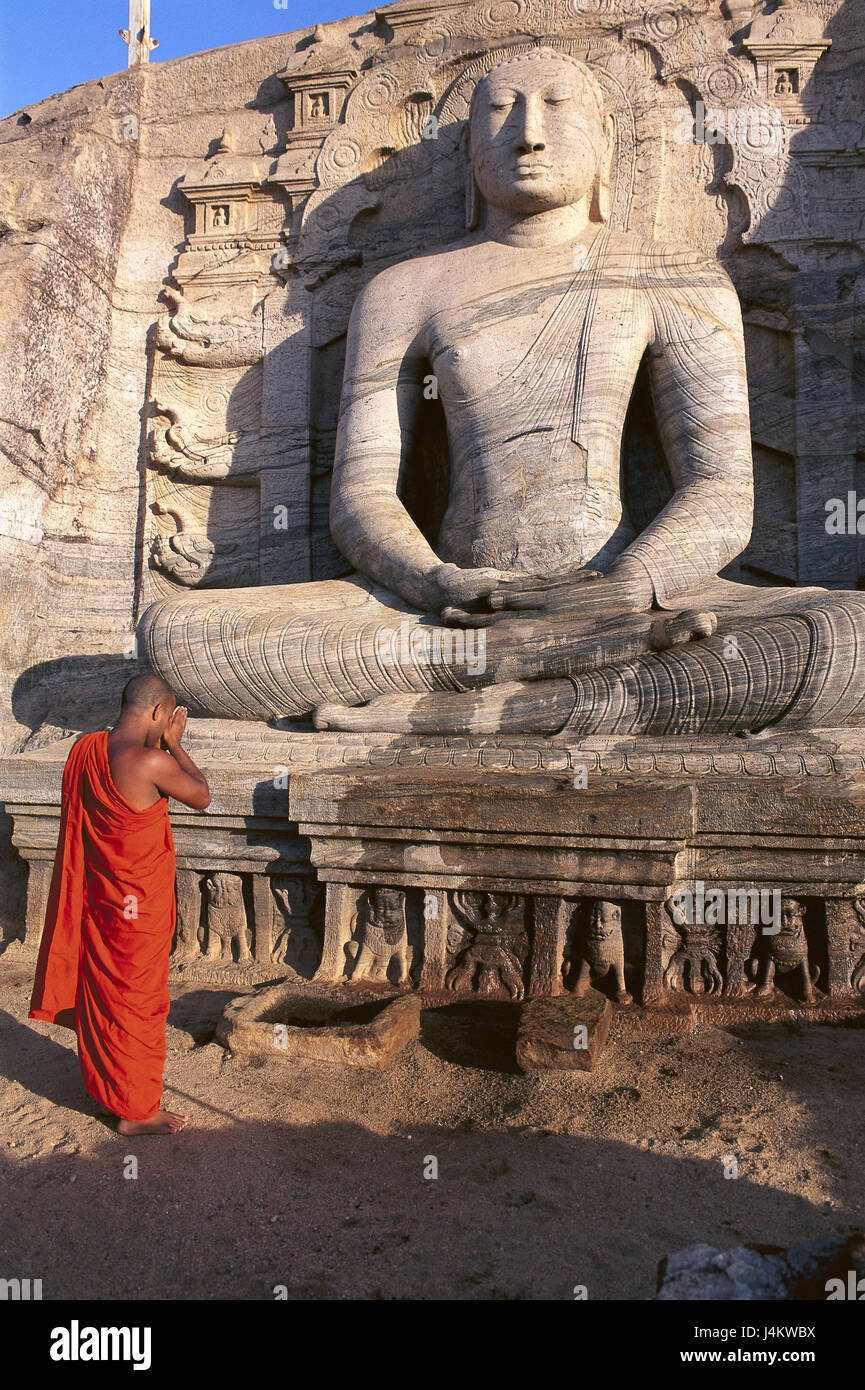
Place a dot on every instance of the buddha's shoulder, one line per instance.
(663, 265)
(416, 271)
(654, 265)
(407, 293)
(397, 295)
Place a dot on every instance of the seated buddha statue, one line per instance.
(534, 326)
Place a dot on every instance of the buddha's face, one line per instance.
(537, 136)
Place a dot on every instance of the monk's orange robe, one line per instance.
(103, 960)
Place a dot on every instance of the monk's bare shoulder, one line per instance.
(133, 771)
(143, 764)
(155, 759)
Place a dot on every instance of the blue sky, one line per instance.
(49, 45)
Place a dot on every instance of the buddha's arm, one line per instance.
(697, 371)
(381, 390)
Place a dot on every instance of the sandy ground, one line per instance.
(311, 1176)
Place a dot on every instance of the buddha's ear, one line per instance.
(600, 207)
(472, 192)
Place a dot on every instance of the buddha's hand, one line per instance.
(463, 595)
(626, 588)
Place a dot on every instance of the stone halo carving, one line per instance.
(633, 120)
(630, 95)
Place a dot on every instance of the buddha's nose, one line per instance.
(531, 137)
(530, 143)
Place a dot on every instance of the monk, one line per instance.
(103, 961)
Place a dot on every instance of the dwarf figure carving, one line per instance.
(297, 943)
(383, 940)
(226, 918)
(788, 951)
(603, 950)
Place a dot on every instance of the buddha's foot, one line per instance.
(674, 628)
(513, 707)
(524, 649)
(521, 705)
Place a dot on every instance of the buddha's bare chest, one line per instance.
(481, 349)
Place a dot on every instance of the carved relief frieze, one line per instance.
(379, 950)
(297, 935)
(749, 946)
(755, 957)
(488, 944)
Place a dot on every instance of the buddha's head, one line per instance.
(537, 136)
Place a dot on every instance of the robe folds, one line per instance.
(103, 960)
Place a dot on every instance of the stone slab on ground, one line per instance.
(563, 1032)
(678, 1017)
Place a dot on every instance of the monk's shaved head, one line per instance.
(144, 692)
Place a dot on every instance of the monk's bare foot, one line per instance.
(163, 1122)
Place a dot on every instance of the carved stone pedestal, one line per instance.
(728, 880)
(739, 890)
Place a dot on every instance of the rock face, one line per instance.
(818, 1270)
(177, 280)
